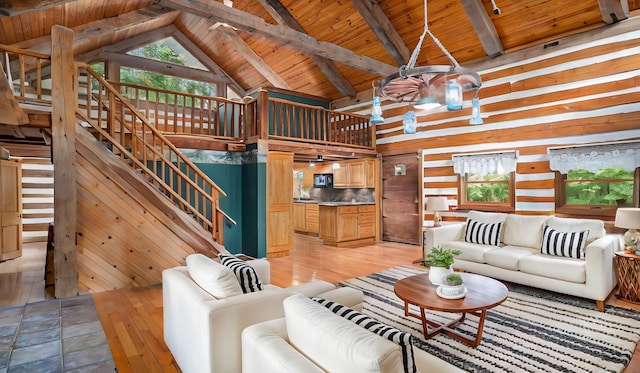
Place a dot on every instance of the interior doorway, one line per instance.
(401, 198)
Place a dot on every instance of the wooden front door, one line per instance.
(279, 203)
(401, 198)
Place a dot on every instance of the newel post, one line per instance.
(262, 126)
(64, 96)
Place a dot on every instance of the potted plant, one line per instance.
(452, 286)
(440, 260)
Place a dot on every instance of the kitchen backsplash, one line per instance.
(343, 195)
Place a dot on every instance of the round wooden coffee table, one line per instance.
(483, 293)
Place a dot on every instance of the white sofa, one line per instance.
(518, 256)
(204, 333)
(310, 338)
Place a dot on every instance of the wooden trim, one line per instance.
(63, 107)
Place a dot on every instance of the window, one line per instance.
(595, 180)
(486, 180)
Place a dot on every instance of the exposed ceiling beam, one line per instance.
(283, 17)
(485, 29)
(92, 35)
(383, 29)
(16, 7)
(252, 57)
(142, 63)
(613, 11)
(217, 12)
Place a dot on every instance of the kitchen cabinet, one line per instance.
(347, 224)
(10, 210)
(355, 174)
(306, 217)
(299, 217)
(279, 203)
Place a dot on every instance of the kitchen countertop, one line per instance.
(340, 203)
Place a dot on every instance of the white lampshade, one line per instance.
(437, 204)
(628, 217)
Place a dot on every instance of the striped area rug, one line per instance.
(532, 331)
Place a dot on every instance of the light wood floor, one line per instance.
(132, 318)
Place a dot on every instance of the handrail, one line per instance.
(135, 140)
(29, 67)
(186, 113)
(300, 122)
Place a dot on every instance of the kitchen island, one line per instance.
(347, 223)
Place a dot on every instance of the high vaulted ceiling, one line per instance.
(326, 48)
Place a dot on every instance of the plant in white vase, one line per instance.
(452, 285)
(439, 261)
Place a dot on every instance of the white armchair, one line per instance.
(203, 332)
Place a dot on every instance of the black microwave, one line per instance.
(323, 180)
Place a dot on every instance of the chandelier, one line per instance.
(430, 86)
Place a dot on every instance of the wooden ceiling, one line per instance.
(326, 48)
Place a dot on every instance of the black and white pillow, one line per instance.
(246, 274)
(396, 336)
(483, 233)
(567, 244)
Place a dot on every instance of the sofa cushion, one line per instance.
(246, 274)
(507, 257)
(561, 268)
(334, 343)
(483, 233)
(524, 230)
(472, 252)
(396, 336)
(594, 226)
(213, 277)
(569, 244)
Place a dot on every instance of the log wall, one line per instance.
(583, 91)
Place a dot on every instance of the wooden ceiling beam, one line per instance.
(326, 66)
(252, 57)
(161, 67)
(613, 11)
(217, 12)
(92, 35)
(384, 30)
(485, 29)
(13, 8)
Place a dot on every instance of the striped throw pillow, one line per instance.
(567, 244)
(247, 276)
(483, 233)
(396, 336)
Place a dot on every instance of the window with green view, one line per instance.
(492, 188)
(607, 186)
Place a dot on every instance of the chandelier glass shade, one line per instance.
(414, 84)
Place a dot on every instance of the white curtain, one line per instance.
(624, 155)
(485, 163)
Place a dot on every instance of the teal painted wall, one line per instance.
(242, 176)
(229, 178)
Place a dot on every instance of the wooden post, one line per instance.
(262, 127)
(64, 95)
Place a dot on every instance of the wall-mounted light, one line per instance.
(319, 158)
(335, 166)
(454, 95)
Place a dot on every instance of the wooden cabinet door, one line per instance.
(312, 218)
(347, 227)
(340, 176)
(370, 173)
(279, 203)
(356, 172)
(299, 217)
(10, 210)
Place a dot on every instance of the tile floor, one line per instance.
(53, 336)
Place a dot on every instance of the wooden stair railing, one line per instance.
(185, 113)
(129, 135)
